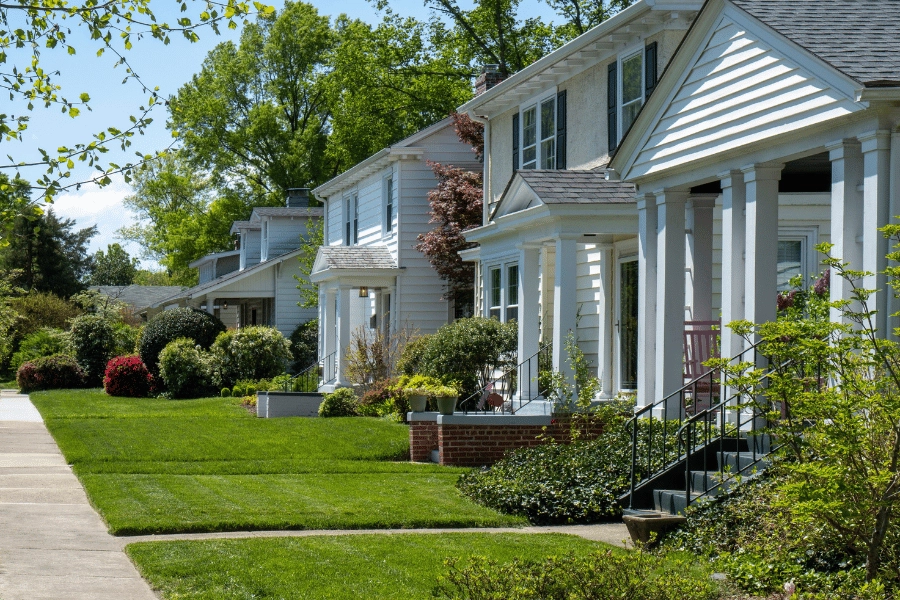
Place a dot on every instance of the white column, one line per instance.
(564, 301)
(344, 330)
(895, 211)
(876, 149)
(210, 305)
(846, 213)
(699, 223)
(670, 251)
(734, 225)
(761, 257)
(605, 330)
(647, 225)
(529, 320)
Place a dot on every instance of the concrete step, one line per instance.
(535, 407)
(710, 481)
(743, 461)
(672, 502)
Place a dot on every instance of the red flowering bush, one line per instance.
(127, 376)
(50, 373)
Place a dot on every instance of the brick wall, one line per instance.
(483, 440)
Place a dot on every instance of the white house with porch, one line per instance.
(256, 284)
(782, 117)
(369, 273)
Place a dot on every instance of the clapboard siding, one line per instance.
(250, 247)
(587, 297)
(741, 89)
(287, 314)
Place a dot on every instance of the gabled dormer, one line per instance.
(248, 235)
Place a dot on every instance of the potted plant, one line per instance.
(418, 399)
(445, 397)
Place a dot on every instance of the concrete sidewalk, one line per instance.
(53, 545)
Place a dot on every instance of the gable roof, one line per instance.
(354, 257)
(564, 187)
(858, 38)
(238, 225)
(138, 296)
(286, 211)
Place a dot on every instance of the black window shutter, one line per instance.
(515, 142)
(649, 69)
(561, 130)
(612, 109)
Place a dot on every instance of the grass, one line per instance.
(168, 466)
(403, 566)
(9, 385)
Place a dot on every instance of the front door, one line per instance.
(628, 324)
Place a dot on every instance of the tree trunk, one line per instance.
(873, 553)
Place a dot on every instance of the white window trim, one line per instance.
(535, 102)
(487, 269)
(349, 204)
(808, 237)
(620, 76)
(387, 226)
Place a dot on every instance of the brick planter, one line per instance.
(477, 440)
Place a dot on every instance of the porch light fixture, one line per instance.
(363, 291)
(225, 305)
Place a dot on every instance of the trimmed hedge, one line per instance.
(170, 325)
(340, 403)
(59, 371)
(127, 376)
(251, 353)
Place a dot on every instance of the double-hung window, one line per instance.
(351, 220)
(539, 133)
(503, 292)
(632, 88)
(388, 192)
(630, 80)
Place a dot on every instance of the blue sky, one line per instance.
(163, 66)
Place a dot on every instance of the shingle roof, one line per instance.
(138, 296)
(357, 257)
(238, 225)
(284, 211)
(577, 187)
(859, 38)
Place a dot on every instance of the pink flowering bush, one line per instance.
(50, 373)
(127, 376)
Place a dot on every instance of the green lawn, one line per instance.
(156, 466)
(334, 567)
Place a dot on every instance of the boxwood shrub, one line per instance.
(251, 353)
(169, 325)
(59, 371)
(340, 403)
(127, 376)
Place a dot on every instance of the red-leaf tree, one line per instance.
(456, 205)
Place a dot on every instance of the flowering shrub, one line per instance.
(186, 369)
(384, 398)
(251, 353)
(169, 325)
(340, 403)
(50, 372)
(94, 343)
(127, 376)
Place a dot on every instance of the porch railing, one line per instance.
(309, 379)
(501, 394)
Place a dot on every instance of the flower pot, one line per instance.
(418, 402)
(446, 404)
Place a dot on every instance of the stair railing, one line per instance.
(658, 425)
(310, 378)
(499, 395)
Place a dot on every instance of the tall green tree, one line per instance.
(113, 267)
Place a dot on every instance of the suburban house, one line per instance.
(256, 284)
(369, 273)
(138, 298)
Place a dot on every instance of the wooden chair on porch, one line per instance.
(701, 342)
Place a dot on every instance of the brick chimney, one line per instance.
(490, 76)
(297, 197)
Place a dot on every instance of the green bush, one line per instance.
(46, 341)
(304, 345)
(411, 356)
(251, 353)
(468, 351)
(225, 393)
(384, 398)
(170, 325)
(94, 343)
(50, 373)
(601, 575)
(126, 338)
(340, 403)
(39, 309)
(186, 369)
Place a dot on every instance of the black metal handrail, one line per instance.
(309, 379)
(673, 410)
(499, 394)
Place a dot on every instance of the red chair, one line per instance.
(701, 342)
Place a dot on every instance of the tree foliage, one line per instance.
(113, 267)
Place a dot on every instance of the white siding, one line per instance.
(740, 90)
(287, 314)
(250, 247)
(588, 299)
(284, 234)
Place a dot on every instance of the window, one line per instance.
(512, 292)
(795, 255)
(630, 81)
(503, 292)
(495, 308)
(388, 204)
(351, 220)
(632, 88)
(539, 134)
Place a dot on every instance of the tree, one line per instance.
(30, 30)
(586, 14)
(115, 267)
(49, 255)
(456, 206)
(309, 246)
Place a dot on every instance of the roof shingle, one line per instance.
(577, 187)
(357, 257)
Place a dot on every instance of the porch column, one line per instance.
(761, 256)
(699, 255)
(329, 322)
(670, 249)
(210, 305)
(343, 330)
(529, 320)
(734, 225)
(846, 213)
(876, 150)
(605, 330)
(565, 304)
(647, 225)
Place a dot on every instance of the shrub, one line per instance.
(94, 343)
(169, 325)
(304, 345)
(411, 356)
(384, 398)
(372, 355)
(340, 403)
(50, 372)
(127, 376)
(46, 341)
(251, 353)
(39, 309)
(601, 575)
(225, 393)
(126, 338)
(468, 351)
(185, 368)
